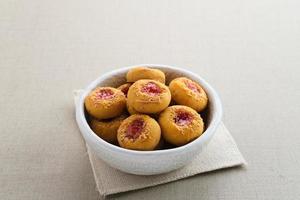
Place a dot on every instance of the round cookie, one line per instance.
(139, 73)
(180, 124)
(189, 93)
(148, 96)
(131, 110)
(107, 129)
(139, 132)
(124, 88)
(105, 102)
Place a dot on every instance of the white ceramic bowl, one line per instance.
(148, 162)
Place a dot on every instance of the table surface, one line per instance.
(249, 51)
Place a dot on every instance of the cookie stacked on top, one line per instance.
(137, 115)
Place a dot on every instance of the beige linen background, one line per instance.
(248, 50)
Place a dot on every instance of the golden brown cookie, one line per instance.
(180, 124)
(148, 96)
(105, 102)
(189, 93)
(107, 129)
(139, 73)
(124, 88)
(131, 110)
(139, 132)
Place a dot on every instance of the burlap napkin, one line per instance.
(221, 152)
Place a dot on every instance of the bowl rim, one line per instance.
(209, 132)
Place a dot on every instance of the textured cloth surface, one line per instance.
(221, 152)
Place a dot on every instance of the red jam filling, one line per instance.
(105, 94)
(192, 86)
(135, 129)
(151, 88)
(183, 118)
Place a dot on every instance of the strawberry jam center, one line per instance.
(192, 86)
(183, 118)
(105, 94)
(151, 88)
(135, 128)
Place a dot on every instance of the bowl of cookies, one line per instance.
(148, 119)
